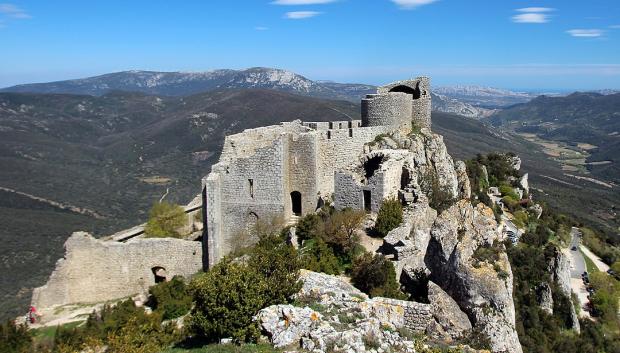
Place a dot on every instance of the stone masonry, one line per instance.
(292, 169)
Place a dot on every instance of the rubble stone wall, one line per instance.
(94, 270)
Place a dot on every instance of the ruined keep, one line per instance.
(291, 169)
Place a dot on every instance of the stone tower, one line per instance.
(398, 105)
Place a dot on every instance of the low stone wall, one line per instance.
(95, 270)
(400, 313)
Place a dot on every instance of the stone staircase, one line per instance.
(293, 220)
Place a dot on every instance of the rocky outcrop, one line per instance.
(482, 290)
(450, 322)
(544, 296)
(559, 267)
(343, 319)
(464, 187)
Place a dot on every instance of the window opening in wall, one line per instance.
(251, 187)
(350, 132)
(350, 124)
(296, 202)
(372, 164)
(359, 124)
(415, 92)
(340, 125)
(329, 135)
(160, 274)
(367, 204)
(331, 125)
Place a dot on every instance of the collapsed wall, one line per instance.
(94, 270)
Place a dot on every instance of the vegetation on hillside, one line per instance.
(165, 220)
(538, 330)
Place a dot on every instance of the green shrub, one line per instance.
(230, 294)
(317, 256)
(15, 338)
(439, 197)
(389, 217)
(375, 276)
(172, 299)
(164, 220)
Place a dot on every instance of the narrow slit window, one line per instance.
(251, 187)
(329, 135)
(350, 132)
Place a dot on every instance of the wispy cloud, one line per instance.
(261, 28)
(299, 15)
(614, 26)
(586, 33)
(412, 4)
(301, 2)
(13, 11)
(532, 15)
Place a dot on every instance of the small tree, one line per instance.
(375, 276)
(389, 217)
(339, 229)
(164, 220)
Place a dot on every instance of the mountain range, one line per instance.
(187, 83)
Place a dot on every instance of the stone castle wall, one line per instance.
(94, 270)
(260, 169)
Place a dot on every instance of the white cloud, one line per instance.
(298, 15)
(301, 2)
(412, 4)
(614, 26)
(586, 33)
(13, 11)
(261, 28)
(530, 18)
(532, 15)
(536, 9)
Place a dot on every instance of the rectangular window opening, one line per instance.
(251, 187)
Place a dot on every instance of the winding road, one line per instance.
(577, 267)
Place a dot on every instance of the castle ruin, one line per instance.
(293, 168)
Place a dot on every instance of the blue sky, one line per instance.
(525, 44)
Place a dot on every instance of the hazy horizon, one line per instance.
(541, 45)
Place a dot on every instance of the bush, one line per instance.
(375, 276)
(123, 328)
(15, 338)
(389, 217)
(317, 256)
(439, 197)
(172, 299)
(230, 294)
(164, 220)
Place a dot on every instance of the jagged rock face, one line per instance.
(344, 320)
(544, 297)
(464, 186)
(450, 322)
(559, 267)
(483, 292)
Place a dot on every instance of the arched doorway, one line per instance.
(296, 202)
(160, 274)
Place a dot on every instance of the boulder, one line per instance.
(544, 296)
(286, 324)
(451, 322)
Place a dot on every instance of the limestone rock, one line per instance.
(544, 296)
(452, 323)
(463, 180)
(287, 324)
(483, 293)
(536, 210)
(328, 290)
(559, 267)
(524, 183)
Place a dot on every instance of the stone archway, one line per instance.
(160, 274)
(415, 92)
